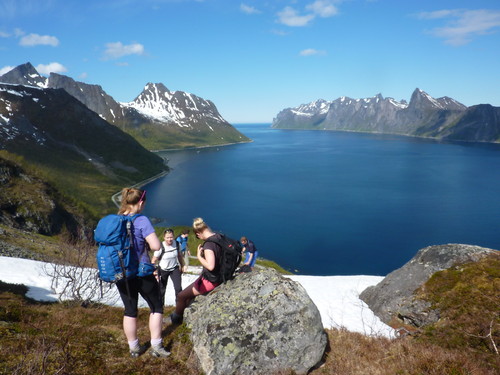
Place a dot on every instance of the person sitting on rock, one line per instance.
(208, 254)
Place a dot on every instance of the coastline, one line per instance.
(200, 147)
(115, 198)
(439, 140)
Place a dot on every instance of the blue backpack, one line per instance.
(116, 258)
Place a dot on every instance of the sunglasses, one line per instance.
(143, 196)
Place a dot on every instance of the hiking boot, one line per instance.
(175, 319)
(136, 352)
(159, 351)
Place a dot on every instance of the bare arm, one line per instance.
(206, 258)
(250, 259)
(153, 242)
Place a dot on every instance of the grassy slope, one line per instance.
(154, 137)
(89, 340)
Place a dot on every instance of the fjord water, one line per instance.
(336, 203)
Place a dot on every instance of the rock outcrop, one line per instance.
(394, 297)
(258, 323)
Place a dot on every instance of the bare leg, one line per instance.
(130, 328)
(155, 322)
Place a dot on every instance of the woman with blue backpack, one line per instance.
(143, 238)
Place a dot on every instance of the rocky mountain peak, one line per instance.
(24, 74)
(420, 100)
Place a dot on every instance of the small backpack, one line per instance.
(230, 257)
(116, 258)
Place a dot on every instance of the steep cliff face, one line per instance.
(425, 116)
(93, 96)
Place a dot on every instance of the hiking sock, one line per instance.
(157, 350)
(136, 349)
(134, 345)
(155, 343)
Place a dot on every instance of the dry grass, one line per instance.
(355, 354)
(66, 338)
(38, 338)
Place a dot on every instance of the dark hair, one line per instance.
(168, 230)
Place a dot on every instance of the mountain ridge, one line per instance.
(423, 116)
(157, 117)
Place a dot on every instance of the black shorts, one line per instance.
(147, 287)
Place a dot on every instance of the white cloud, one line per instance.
(4, 35)
(319, 8)
(323, 8)
(311, 52)
(249, 9)
(290, 17)
(18, 32)
(53, 67)
(436, 14)
(36, 40)
(463, 25)
(6, 69)
(84, 75)
(117, 50)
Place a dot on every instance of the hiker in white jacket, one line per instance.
(171, 263)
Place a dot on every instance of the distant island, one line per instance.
(424, 116)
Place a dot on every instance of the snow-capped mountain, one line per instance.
(157, 118)
(443, 118)
(160, 104)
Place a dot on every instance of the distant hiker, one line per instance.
(250, 250)
(144, 237)
(182, 239)
(171, 263)
(207, 254)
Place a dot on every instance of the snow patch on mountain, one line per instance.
(158, 103)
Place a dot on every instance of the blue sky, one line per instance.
(255, 58)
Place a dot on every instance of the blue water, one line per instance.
(335, 203)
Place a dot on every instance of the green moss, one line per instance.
(468, 298)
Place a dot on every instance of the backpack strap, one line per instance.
(162, 249)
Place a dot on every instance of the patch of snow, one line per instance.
(337, 297)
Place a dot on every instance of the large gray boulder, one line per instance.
(394, 297)
(258, 323)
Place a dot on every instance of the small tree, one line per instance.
(75, 276)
